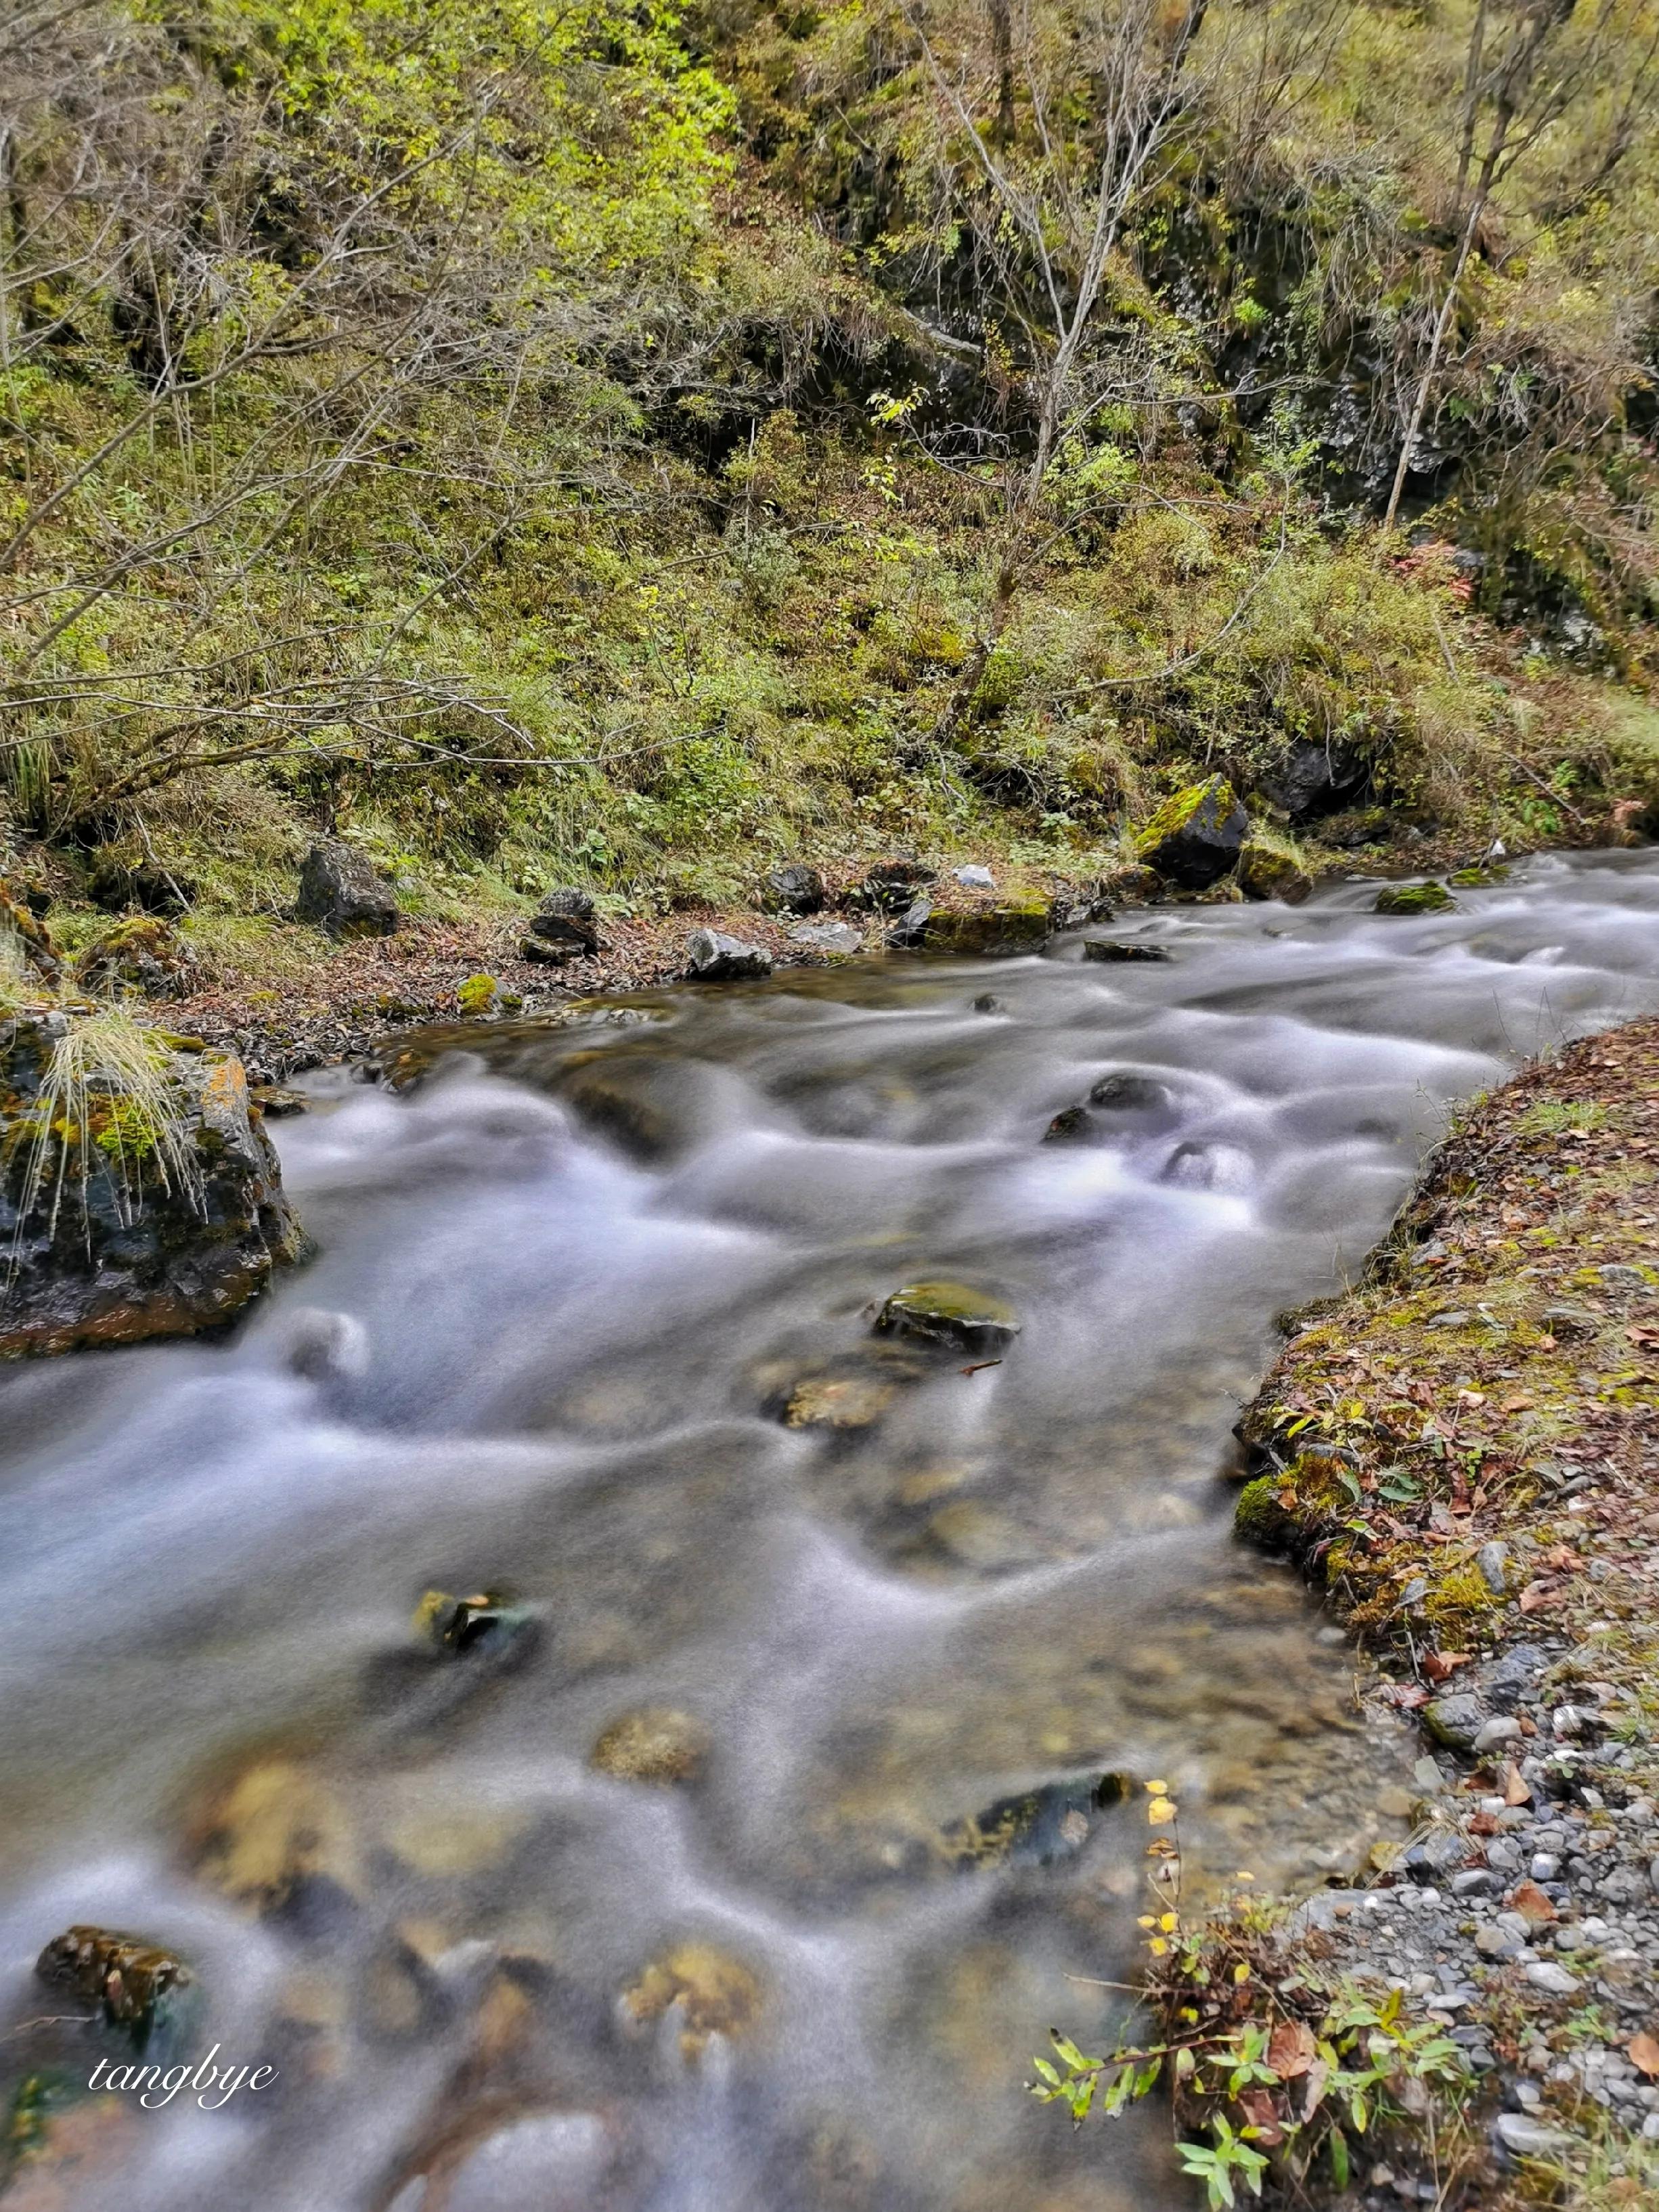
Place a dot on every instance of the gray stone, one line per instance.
(1492, 1560)
(1476, 1881)
(975, 879)
(1495, 1943)
(711, 956)
(1502, 1728)
(1544, 1867)
(1523, 2137)
(1455, 1721)
(838, 937)
(1555, 1981)
(341, 892)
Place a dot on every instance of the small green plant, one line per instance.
(1215, 2166)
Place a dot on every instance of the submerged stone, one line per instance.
(1414, 898)
(1038, 1827)
(1195, 838)
(715, 1993)
(1129, 1094)
(275, 1837)
(656, 1744)
(950, 1313)
(135, 1987)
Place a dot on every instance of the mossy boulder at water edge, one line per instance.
(139, 1195)
(131, 1985)
(1018, 922)
(1266, 872)
(1195, 838)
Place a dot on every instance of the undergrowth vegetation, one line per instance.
(627, 443)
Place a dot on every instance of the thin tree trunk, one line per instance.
(1443, 324)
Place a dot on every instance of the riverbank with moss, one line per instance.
(1463, 1453)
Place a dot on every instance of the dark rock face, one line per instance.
(160, 1213)
(340, 892)
(1316, 779)
(562, 927)
(797, 889)
(142, 955)
(1195, 838)
(711, 956)
(135, 1986)
(117, 883)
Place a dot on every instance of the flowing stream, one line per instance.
(576, 1279)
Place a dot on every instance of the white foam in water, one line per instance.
(553, 1356)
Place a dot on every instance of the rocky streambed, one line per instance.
(630, 1681)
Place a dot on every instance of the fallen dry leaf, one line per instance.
(1643, 2051)
(1538, 1597)
(1515, 1791)
(1291, 2048)
(1439, 1665)
(1530, 1902)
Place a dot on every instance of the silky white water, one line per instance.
(582, 1270)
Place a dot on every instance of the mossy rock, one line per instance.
(1414, 898)
(1017, 923)
(142, 956)
(950, 1313)
(1267, 873)
(1195, 837)
(1478, 878)
(1262, 1518)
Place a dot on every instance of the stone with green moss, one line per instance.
(143, 956)
(950, 1313)
(1261, 1517)
(1266, 872)
(1018, 922)
(1195, 837)
(1414, 898)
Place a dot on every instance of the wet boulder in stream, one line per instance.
(655, 1743)
(951, 1314)
(139, 1195)
(134, 1986)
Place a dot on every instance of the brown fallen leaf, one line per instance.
(1438, 1666)
(1643, 2051)
(1515, 1791)
(1261, 2122)
(1483, 1824)
(1291, 2048)
(1537, 1597)
(1530, 1902)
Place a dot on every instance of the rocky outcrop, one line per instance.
(139, 1195)
(892, 885)
(1195, 838)
(341, 892)
(564, 926)
(711, 956)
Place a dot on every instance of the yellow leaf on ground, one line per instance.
(1643, 2051)
(1160, 1809)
